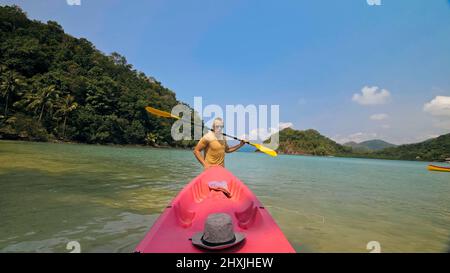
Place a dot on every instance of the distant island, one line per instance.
(308, 142)
(369, 145)
(311, 142)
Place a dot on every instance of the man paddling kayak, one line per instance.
(260, 147)
(214, 146)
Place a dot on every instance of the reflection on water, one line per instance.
(107, 198)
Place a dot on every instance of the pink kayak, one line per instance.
(186, 215)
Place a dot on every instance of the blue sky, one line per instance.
(310, 57)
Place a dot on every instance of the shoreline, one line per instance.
(361, 157)
(98, 144)
(190, 149)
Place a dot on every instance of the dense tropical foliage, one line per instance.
(308, 142)
(369, 145)
(57, 87)
(311, 142)
(436, 149)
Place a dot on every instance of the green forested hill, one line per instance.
(309, 142)
(370, 145)
(436, 149)
(55, 86)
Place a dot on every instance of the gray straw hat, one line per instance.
(218, 233)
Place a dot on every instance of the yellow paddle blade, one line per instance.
(264, 149)
(160, 113)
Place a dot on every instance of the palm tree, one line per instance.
(10, 83)
(39, 101)
(66, 106)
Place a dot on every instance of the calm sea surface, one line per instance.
(107, 198)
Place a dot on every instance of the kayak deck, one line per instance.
(438, 168)
(187, 213)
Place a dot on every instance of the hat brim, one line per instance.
(197, 241)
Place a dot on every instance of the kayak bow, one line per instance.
(186, 215)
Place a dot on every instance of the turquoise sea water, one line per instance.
(107, 198)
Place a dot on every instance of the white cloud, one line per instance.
(442, 124)
(284, 125)
(439, 106)
(386, 126)
(374, 2)
(73, 2)
(378, 117)
(261, 134)
(356, 137)
(422, 138)
(372, 96)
